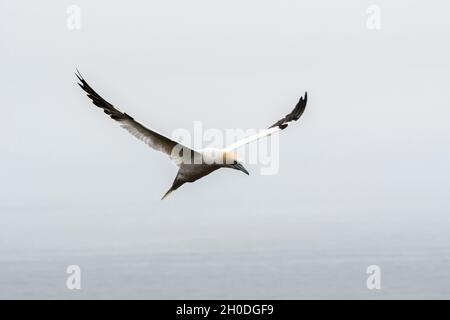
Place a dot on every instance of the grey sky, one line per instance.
(373, 142)
(377, 115)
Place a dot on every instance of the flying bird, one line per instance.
(193, 164)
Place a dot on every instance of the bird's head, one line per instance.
(232, 162)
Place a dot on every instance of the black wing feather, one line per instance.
(107, 107)
(150, 137)
(294, 115)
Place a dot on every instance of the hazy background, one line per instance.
(364, 176)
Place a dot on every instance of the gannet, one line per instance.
(193, 164)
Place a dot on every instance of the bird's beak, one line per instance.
(240, 167)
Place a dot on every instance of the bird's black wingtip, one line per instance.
(78, 74)
(305, 97)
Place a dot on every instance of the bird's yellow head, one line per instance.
(231, 160)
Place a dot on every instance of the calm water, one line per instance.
(130, 253)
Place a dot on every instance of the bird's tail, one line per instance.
(167, 193)
(175, 185)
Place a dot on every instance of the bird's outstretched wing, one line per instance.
(281, 124)
(152, 138)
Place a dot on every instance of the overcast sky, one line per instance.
(375, 129)
(369, 159)
(366, 169)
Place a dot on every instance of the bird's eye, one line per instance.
(235, 162)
